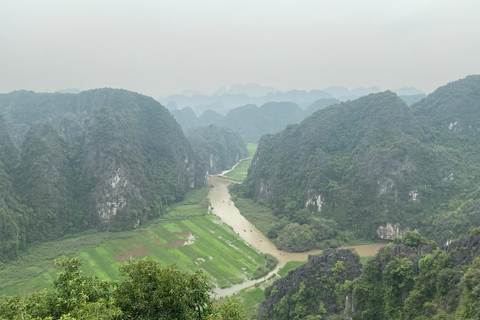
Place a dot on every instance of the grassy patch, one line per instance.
(289, 266)
(363, 260)
(252, 148)
(260, 216)
(187, 236)
(251, 299)
(241, 170)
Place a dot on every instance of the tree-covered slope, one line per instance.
(251, 122)
(218, 148)
(410, 278)
(186, 118)
(102, 158)
(312, 291)
(375, 166)
(42, 180)
(12, 219)
(414, 280)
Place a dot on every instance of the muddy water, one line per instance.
(224, 207)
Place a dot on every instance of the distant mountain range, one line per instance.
(224, 100)
(250, 121)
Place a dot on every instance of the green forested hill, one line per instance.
(12, 221)
(102, 158)
(218, 148)
(376, 166)
(410, 278)
(251, 122)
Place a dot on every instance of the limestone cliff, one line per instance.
(375, 161)
(217, 148)
(310, 289)
(104, 158)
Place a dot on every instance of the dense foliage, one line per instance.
(421, 282)
(303, 230)
(410, 278)
(315, 290)
(250, 121)
(148, 292)
(105, 158)
(218, 148)
(373, 161)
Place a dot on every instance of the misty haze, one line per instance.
(240, 160)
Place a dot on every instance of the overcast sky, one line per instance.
(160, 47)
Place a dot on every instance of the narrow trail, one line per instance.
(232, 168)
(225, 208)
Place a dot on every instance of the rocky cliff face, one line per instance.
(310, 289)
(217, 148)
(464, 250)
(101, 158)
(391, 231)
(408, 279)
(420, 281)
(374, 161)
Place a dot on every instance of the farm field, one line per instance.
(187, 236)
(241, 170)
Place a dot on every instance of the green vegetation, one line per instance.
(250, 298)
(270, 264)
(372, 161)
(217, 148)
(215, 249)
(403, 281)
(252, 148)
(312, 291)
(251, 122)
(364, 260)
(106, 159)
(260, 216)
(290, 266)
(147, 291)
(241, 170)
(421, 283)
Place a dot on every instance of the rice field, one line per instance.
(192, 239)
(241, 170)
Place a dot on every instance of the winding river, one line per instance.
(224, 207)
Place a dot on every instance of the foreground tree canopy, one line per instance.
(148, 292)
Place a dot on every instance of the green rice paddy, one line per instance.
(241, 170)
(188, 236)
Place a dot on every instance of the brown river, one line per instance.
(224, 207)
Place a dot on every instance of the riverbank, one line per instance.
(222, 206)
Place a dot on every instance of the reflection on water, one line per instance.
(224, 207)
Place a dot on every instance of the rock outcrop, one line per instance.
(391, 231)
(376, 161)
(104, 158)
(309, 289)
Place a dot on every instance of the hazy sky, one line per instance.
(160, 47)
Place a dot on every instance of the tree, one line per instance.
(148, 292)
(152, 292)
(412, 239)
